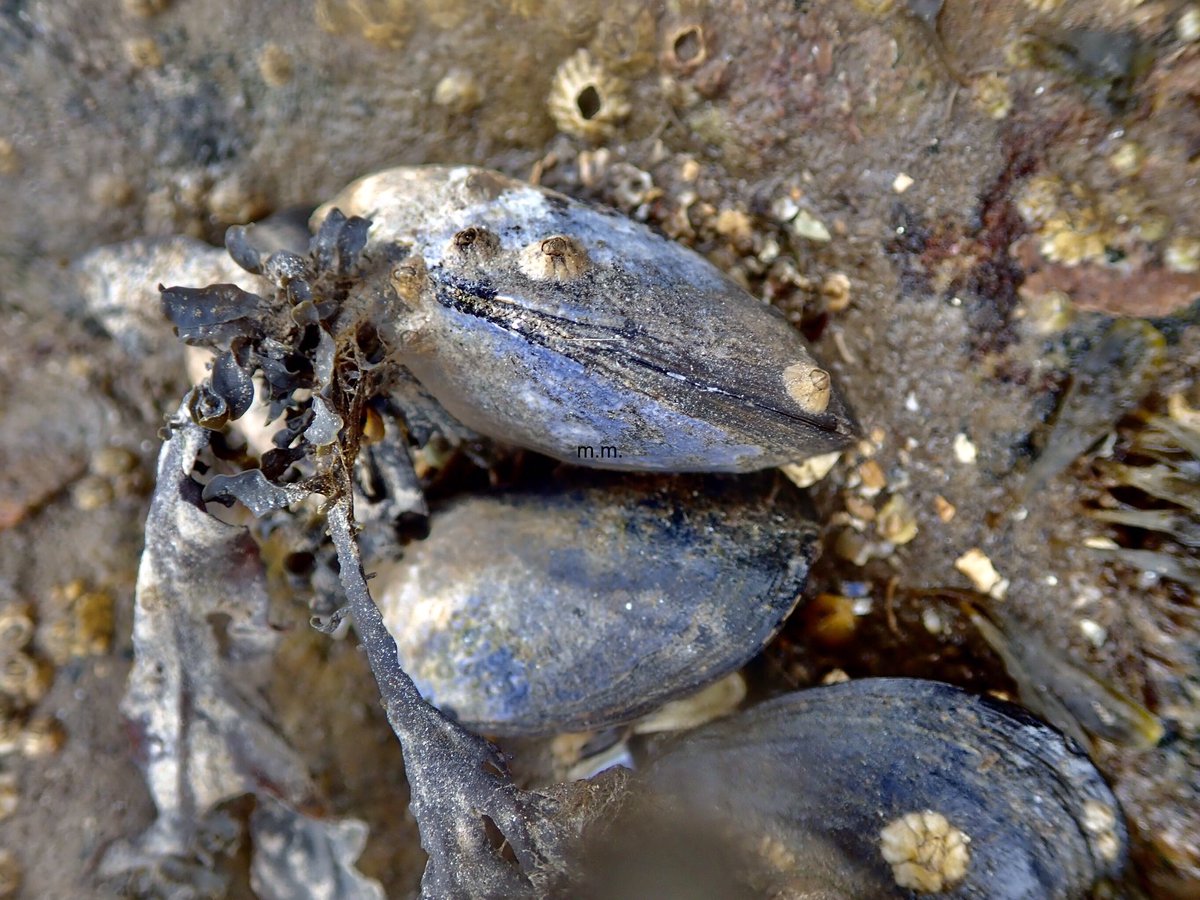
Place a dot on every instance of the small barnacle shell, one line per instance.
(16, 626)
(685, 48)
(458, 91)
(926, 852)
(25, 678)
(808, 385)
(408, 278)
(585, 101)
(475, 244)
(557, 258)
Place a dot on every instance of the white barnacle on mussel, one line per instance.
(576, 330)
(593, 599)
(881, 788)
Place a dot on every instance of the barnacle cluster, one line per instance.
(25, 678)
(81, 625)
(112, 472)
(585, 100)
(992, 95)
(1075, 224)
(193, 202)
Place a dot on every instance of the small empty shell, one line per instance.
(592, 602)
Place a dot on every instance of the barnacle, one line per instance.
(9, 794)
(43, 736)
(1182, 254)
(992, 95)
(409, 278)
(232, 200)
(808, 386)
(382, 22)
(275, 65)
(84, 626)
(143, 8)
(630, 186)
(143, 53)
(10, 874)
(458, 91)
(685, 48)
(475, 244)
(25, 678)
(10, 162)
(586, 101)
(16, 627)
(557, 258)
(925, 851)
(896, 521)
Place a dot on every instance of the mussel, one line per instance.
(586, 602)
(888, 787)
(568, 329)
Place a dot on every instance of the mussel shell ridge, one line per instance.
(837, 765)
(582, 605)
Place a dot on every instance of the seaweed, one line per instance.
(204, 742)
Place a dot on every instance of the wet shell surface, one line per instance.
(589, 603)
(569, 329)
(919, 786)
